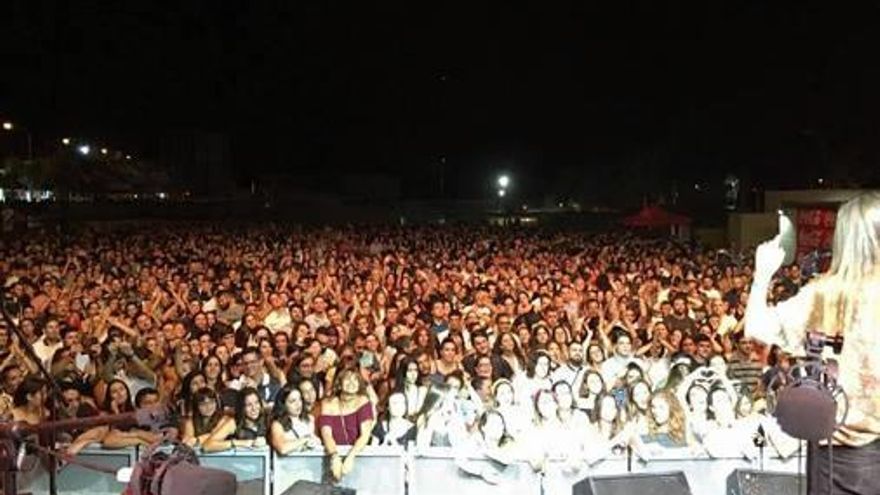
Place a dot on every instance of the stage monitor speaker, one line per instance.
(303, 487)
(671, 483)
(754, 482)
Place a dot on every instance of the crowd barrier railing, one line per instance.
(438, 471)
(75, 479)
(377, 471)
(392, 470)
(252, 468)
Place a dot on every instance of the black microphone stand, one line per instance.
(10, 463)
(760, 441)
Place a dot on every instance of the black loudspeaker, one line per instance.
(303, 487)
(753, 482)
(671, 483)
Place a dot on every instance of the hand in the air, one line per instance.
(768, 258)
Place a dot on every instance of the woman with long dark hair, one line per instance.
(247, 429)
(206, 415)
(293, 426)
(118, 401)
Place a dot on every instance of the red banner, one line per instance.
(815, 229)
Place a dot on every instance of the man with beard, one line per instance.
(228, 310)
(680, 319)
(571, 371)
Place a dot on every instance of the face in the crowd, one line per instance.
(679, 306)
(118, 394)
(623, 346)
(633, 375)
(504, 395)
(542, 366)
(493, 428)
(594, 383)
(309, 394)
(350, 383)
(641, 393)
(744, 406)
(660, 410)
(412, 373)
(37, 399)
(424, 362)
(51, 331)
(546, 405)
(447, 352)
(481, 345)
(207, 407)
(222, 353)
(149, 400)
(688, 346)
(397, 405)
(213, 367)
(564, 398)
(596, 355)
(704, 349)
(253, 365)
(197, 383)
(576, 354)
(253, 407)
(306, 367)
(507, 342)
(483, 367)
(293, 404)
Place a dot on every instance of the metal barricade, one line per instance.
(439, 470)
(74, 479)
(377, 470)
(252, 468)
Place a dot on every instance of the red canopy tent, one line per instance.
(654, 217)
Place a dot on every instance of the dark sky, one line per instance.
(552, 94)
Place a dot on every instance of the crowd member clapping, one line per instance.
(258, 334)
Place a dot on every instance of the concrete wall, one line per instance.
(747, 230)
(775, 200)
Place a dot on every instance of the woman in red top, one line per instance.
(346, 419)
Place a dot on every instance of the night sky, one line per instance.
(563, 98)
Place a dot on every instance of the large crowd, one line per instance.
(515, 344)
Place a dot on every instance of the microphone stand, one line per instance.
(55, 396)
(13, 431)
(760, 441)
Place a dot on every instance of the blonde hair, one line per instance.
(676, 422)
(855, 261)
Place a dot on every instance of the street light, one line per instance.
(65, 141)
(503, 181)
(501, 193)
(84, 149)
(103, 151)
(8, 126)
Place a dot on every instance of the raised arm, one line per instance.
(785, 324)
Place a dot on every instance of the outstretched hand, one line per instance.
(768, 258)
